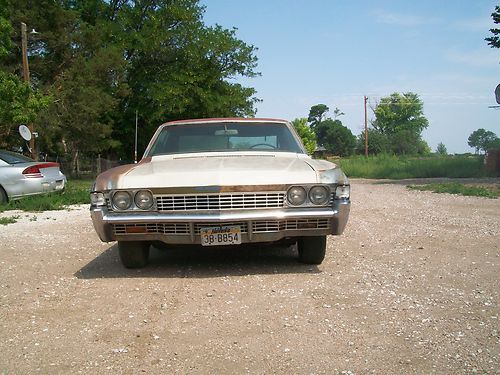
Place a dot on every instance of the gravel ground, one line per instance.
(411, 287)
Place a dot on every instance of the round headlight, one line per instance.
(296, 195)
(122, 200)
(319, 195)
(144, 199)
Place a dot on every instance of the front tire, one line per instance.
(3, 196)
(133, 254)
(312, 249)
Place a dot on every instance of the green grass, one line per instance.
(488, 191)
(76, 192)
(8, 220)
(393, 167)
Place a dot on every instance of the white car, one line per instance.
(221, 182)
(21, 176)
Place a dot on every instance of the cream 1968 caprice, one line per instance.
(216, 182)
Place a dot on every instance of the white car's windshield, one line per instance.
(217, 137)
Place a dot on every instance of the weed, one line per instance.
(394, 167)
(488, 191)
(8, 220)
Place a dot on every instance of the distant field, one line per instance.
(393, 167)
(76, 192)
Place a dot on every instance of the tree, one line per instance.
(494, 145)
(401, 119)
(335, 137)
(19, 104)
(317, 113)
(305, 133)
(378, 143)
(482, 139)
(441, 149)
(494, 40)
(103, 60)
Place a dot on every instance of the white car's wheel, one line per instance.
(312, 249)
(133, 254)
(3, 196)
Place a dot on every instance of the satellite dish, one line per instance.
(25, 132)
(497, 93)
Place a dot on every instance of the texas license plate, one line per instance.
(217, 236)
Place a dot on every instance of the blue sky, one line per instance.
(334, 52)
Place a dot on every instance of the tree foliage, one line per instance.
(18, 103)
(400, 118)
(101, 61)
(378, 143)
(335, 137)
(441, 149)
(317, 113)
(305, 133)
(494, 40)
(482, 139)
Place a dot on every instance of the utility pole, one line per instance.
(365, 99)
(26, 76)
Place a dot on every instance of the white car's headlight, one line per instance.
(122, 200)
(319, 195)
(343, 191)
(144, 199)
(296, 195)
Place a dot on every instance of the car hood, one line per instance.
(216, 170)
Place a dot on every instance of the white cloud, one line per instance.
(481, 24)
(475, 58)
(402, 19)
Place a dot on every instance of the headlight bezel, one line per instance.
(133, 206)
(297, 188)
(118, 193)
(308, 202)
(152, 200)
(325, 199)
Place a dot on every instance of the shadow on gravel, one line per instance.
(200, 262)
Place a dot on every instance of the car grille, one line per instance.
(220, 201)
(261, 226)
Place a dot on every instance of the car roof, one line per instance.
(225, 119)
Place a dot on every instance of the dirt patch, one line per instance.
(411, 287)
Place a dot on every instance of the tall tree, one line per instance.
(19, 104)
(401, 118)
(494, 40)
(317, 113)
(378, 143)
(305, 133)
(335, 137)
(441, 149)
(482, 139)
(103, 60)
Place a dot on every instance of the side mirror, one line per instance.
(497, 93)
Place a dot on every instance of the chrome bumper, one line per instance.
(259, 225)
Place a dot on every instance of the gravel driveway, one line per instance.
(411, 287)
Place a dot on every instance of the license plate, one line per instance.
(217, 236)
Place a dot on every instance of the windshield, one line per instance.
(216, 137)
(13, 158)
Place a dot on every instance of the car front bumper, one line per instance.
(266, 225)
